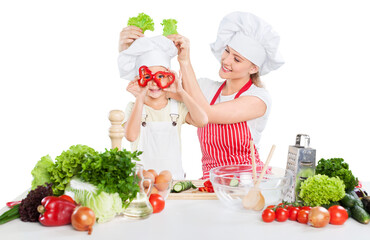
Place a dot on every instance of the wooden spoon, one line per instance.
(254, 199)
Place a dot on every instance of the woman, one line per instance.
(238, 108)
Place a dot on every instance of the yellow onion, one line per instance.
(318, 217)
(83, 218)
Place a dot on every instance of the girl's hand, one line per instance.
(127, 36)
(175, 90)
(183, 47)
(134, 88)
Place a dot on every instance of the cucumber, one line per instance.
(348, 201)
(234, 182)
(358, 201)
(360, 215)
(349, 212)
(182, 186)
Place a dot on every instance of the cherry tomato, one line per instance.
(207, 183)
(302, 216)
(282, 214)
(68, 198)
(293, 213)
(338, 215)
(268, 215)
(306, 208)
(271, 206)
(157, 202)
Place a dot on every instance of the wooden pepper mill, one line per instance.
(116, 131)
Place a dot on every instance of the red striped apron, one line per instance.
(226, 144)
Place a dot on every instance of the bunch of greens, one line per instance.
(112, 172)
(142, 21)
(320, 190)
(336, 167)
(169, 26)
(67, 165)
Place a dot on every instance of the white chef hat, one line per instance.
(154, 51)
(250, 36)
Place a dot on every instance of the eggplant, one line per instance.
(366, 202)
(360, 193)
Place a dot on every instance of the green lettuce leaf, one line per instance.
(169, 26)
(40, 172)
(142, 21)
(67, 165)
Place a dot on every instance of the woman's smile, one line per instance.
(225, 69)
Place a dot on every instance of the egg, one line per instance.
(167, 174)
(153, 172)
(149, 175)
(161, 182)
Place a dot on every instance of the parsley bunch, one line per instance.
(113, 172)
(336, 167)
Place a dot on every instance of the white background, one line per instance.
(59, 77)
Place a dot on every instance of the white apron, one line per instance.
(160, 144)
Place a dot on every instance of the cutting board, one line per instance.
(193, 194)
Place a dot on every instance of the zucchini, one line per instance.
(182, 186)
(348, 201)
(360, 215)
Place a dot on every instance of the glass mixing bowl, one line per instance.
(232, 183)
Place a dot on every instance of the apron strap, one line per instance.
(243, 89)
(174, 112)
(143, 117)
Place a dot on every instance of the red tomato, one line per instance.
(207, 183)
(282, 214)
(271, 206)
(338, 215)
(302, 216)
(293, 213)
(268, 215)
(157, 202)
(306, 208)
(68, 198)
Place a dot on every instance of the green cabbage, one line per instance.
(321, 189)
(169, 26)
(105, 205)
(40, 172)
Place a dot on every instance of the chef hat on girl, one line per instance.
(154, 51)
(250, 36)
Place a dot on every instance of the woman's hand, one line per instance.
(127, 36)
(175, 90)
(134, 88)
(183, 47)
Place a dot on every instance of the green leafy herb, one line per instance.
(169, 26)
(142, 21)
(68, 164)
(336, 167)
(112, 172)
(321, 189)
(40, 172)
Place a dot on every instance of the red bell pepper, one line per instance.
(55, 211)
(12, 204)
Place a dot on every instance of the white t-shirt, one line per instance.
(256, 126)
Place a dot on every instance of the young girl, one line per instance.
(153, 122)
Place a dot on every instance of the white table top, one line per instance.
(189, 219)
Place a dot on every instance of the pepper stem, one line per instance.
(41, 209)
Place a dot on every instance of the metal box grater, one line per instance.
(301, 161)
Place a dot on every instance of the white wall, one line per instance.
(59, 77)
